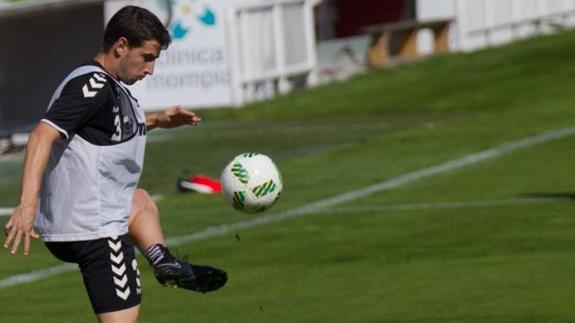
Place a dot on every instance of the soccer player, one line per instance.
(82, 166)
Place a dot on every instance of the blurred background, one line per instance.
(229, 52)
(426, 149)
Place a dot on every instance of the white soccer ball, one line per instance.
(251, 182)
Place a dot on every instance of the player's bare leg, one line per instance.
(146, 232)
(144, 222)
(129, 315)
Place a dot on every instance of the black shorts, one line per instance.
(109, 269)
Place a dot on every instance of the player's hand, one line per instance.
(175, 117)
(20, 227)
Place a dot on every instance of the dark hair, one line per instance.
(137, 25)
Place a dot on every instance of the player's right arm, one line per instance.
(20, 226)
(79, 100)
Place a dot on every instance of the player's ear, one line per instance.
(121, 47)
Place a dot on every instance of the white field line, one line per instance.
(5, 211)
(314, 207)
(444, 205)
(52, 271)
(37, 275)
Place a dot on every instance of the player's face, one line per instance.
(138, 62)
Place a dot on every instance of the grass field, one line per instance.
(491, 241)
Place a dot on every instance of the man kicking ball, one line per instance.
(81, 171)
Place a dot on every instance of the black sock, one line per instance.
(158, 254)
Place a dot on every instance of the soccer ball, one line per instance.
(251, 182)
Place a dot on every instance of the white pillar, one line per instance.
(313, 76)
(542, 11)
(461, 24)
(516, 17)
(283, 83)
(233, 33)
(489, 20)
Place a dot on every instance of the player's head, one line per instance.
(135, 37)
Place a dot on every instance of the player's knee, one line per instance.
(143, 200)
(140, 195)
(123, 316)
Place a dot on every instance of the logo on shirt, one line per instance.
(95, 83)
(126, 127)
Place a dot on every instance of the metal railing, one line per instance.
(270, 42)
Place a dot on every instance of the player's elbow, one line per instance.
(44, 133)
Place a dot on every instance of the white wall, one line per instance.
(434, 9)
(482, 23)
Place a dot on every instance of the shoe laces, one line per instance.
(183, 258)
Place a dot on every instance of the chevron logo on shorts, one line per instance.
(137, 271)
(115, 245)
(95, 83)
(119, 268)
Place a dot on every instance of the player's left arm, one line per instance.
(171, 118)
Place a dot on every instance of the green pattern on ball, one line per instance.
(241, 173)
(265, 188)
(238, 200)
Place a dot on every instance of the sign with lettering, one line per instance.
(195, 70)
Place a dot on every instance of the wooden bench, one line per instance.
(392, 41)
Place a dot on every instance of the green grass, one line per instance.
(355, 263)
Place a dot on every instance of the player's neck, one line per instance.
(108, 63)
